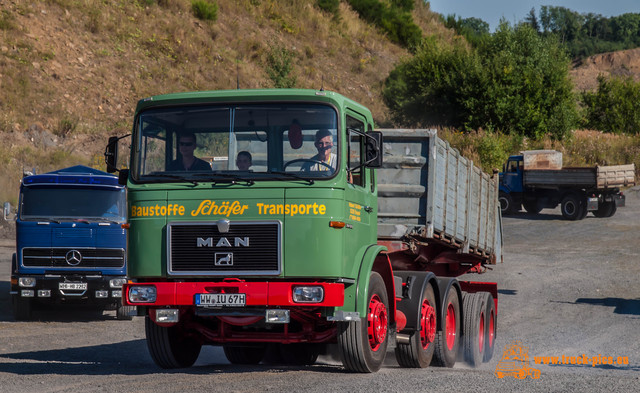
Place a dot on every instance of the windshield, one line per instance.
(91, 204)
(222, 143)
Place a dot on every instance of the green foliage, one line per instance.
(279, 66)
(66, 126)
(330, 6)
(394, 19)
(204, 10)
(587, 34)
(515, 81)
(614, 107)
(473, 29)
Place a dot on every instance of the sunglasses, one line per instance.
(187, 144)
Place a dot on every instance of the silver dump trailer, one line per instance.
(427, 189)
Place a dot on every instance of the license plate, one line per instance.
(221, 299)
(73, 286)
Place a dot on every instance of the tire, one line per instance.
(21, 308)
(474, 309)
(244, 354)
(606, 209)
(303, 354)
(419, 352)
(123, 312)
(168, 346)
(363, 344)
(507, 206)
(447, 341)
(490, 327)
(532, 207)
(572, 207)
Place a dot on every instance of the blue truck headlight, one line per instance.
(27, 282)
(142, 294)
(117, 282)
(308, 294)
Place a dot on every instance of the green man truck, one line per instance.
(334, 236)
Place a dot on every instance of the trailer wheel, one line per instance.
(571, 207)
(490, 327)
(474, 309)
(606, 209)
(168, 347)
(419, 352)
(447, 340)
(21, 308)
(363, 343)
(244, 354)
(507, 206)
(301, 354)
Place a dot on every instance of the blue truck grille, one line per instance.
(244, 248)
(73, 257)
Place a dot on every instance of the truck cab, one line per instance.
(70, 244)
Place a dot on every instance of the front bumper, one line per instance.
(50, 289)
(257, 293)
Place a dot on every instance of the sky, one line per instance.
(491, 11)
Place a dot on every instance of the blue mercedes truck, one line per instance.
(70, 242)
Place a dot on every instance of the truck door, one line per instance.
(512, 176)
(360, 204)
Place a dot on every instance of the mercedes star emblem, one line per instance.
(73, 257)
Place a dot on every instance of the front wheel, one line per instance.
(169, 347)
(507, 205)
(21, 308)
(125, 313)
(363, 343)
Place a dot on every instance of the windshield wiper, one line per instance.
(174, 177)
(228, 177)
(294, 176)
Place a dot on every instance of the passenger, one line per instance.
(244, 160)
(189, 162)
(324, 144)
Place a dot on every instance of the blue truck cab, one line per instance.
(70, 243)
(511, 175)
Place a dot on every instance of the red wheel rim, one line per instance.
(481, 333)
(451, 326)
(376, 322)
(492, 332)
(427, 324)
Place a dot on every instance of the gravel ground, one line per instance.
(566, 288)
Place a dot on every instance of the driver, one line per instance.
(189, 162)
(324, 144)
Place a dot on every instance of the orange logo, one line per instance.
(515, 362)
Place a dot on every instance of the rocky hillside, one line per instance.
(71, 71)
(623, 64)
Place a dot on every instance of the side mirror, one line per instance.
(373, 149)
(111, 154)
(7, 211)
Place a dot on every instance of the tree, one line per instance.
(614, 107)
(515, 81)
(532, 20)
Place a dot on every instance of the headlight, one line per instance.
(308, 294)
(117, 282)
(27, 282)
(142, 294)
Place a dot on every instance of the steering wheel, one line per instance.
(286, 164)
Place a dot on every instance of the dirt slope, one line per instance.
(622, 64)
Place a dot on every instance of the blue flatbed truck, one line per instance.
(70, 244)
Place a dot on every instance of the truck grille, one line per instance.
(73, 257)
(242, 248)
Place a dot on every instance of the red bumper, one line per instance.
(257, 293)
